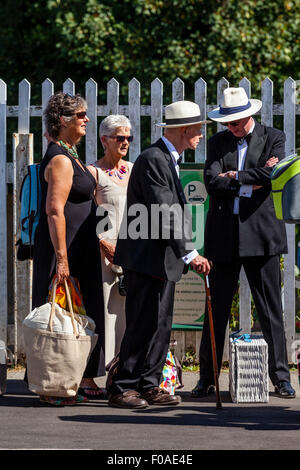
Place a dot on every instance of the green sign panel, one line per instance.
(189, 304)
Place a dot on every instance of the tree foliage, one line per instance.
(148, 39)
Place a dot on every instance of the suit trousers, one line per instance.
(149, 313)
(263, 274)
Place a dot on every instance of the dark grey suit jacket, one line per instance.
(260, 232)
(154, 182)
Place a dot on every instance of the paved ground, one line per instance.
(193, 425)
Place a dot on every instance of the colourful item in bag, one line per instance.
(61, 296)
(285, 180)
(169, 375)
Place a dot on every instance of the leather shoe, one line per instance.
(130, 399)
(284, 389)
(159, 396)
(202, 389)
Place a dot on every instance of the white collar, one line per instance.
(252, 127)
(244, 143)
(172, 150)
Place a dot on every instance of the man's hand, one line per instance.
(200, 265)
(272, 161)
(229, 174)
(108, 249)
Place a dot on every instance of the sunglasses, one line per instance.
(232, 124)
(81, 114)
(120, 138)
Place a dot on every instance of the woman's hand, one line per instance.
(108, 249)
(62, 271)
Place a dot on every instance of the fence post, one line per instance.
(178, 95)
(134, 97)
(113, 97)
(156, 109)
(289, 125)
(246, 84)
(267, 102)
(69, 87)
(47, 92)
(24, 107)
(245, 294)
(22, 157)
(221, 85)
(245, 303)
(200, 99)
(91, 138)
(3, 215)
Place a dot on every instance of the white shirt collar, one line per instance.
(172, 150)
(252, 127)
(244, 143)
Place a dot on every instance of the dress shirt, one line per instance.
(175, 156)
(245, 189)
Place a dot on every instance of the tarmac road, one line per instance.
(195, 424)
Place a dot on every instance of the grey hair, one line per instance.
(110, 123)
(61, 104)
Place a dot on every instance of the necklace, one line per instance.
(119, 173)
(70, 149)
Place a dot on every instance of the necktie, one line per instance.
(240, 140)
(179, 160)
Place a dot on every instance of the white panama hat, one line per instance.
(182, 113)
(235, 105)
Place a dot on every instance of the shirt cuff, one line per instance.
(245, 190)
(190, 256)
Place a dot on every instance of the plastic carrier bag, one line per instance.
(285, 180)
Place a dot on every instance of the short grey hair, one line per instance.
(109, 125)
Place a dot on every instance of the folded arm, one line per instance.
(215, 182)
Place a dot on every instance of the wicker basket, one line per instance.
(248, 370)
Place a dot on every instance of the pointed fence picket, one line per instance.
(10, 173)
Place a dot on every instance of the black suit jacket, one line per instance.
(154, 184)
(260, 232)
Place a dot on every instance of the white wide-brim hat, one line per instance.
(182, 113)
(235, 105)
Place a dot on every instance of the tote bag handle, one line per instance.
(69, 302)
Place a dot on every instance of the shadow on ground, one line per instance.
(191, 412)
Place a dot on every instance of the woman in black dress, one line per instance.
(66, 241)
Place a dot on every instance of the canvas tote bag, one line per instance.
(58, 345)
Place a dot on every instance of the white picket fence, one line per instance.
(11, 173)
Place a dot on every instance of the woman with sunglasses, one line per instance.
(66, 243)
(112, 174)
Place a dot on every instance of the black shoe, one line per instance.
(284, 390)
(202, 389)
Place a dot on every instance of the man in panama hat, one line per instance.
(242, 230)
(154, 259)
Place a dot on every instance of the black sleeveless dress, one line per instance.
(82, 247)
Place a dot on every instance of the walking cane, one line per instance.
(213, 341)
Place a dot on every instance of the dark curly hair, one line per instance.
(61, 104)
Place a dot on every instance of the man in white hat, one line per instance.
(155, 259)
(242, 230)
